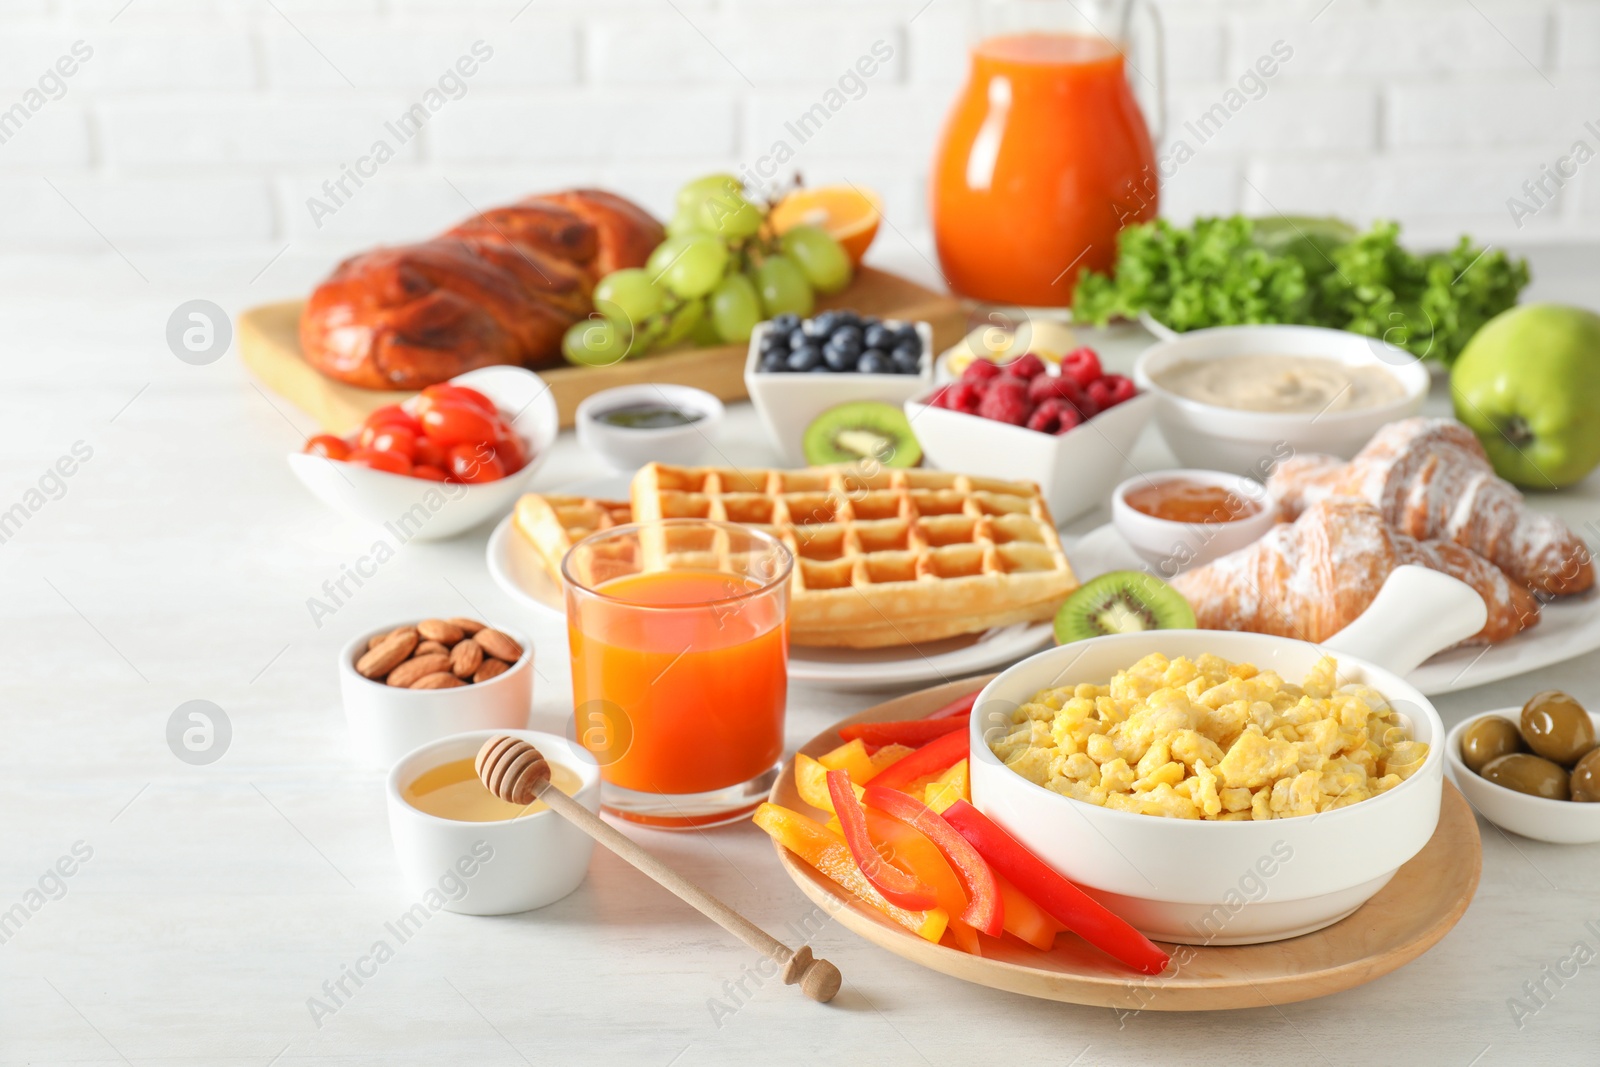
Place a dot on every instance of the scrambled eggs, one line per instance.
(1209, 739)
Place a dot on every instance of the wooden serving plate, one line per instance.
(1406, 918)
(269, 344)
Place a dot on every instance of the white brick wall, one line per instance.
(199, 125)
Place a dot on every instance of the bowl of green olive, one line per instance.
(1533, 770)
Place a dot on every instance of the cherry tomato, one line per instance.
(430, 453)
(447, 392)
(475, 463)
(428, 471)
(510, 451)
(393, 438)
(456, 424)
(326, 444)
(392, 462)
(393, 414)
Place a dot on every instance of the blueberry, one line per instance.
(905, 351)
(774, 362)
(786, 322)
(848, 333)
(848, 342)
(821, 368)
(906, 364)
(874, 361)
(844, 317)
(773, 341)
(907, 334)
(878, 336)
(837, 358)
(825, 323)
(813, 331)
(806, 357)
(798, 339)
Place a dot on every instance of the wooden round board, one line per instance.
(1406, 918)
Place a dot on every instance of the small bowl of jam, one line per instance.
(632, 425)
(1180, 519)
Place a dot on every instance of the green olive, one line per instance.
(1586, 778)
(1489, 738)
(1529, 774)
(1556, 727)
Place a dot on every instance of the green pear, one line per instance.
(1528, 384)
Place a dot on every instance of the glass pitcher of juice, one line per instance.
(1046, 154)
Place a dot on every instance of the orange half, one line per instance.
(849, 214)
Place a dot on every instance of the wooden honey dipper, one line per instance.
(518, 773)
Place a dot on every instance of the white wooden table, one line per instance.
(176, 562)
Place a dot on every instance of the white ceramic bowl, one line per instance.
(628, 449)
(386, 722)
(1561, 822)
(490, 868)
(1075, 470)
(788, 402)
(414, 509)
(1253, 442)
(1234, 883)
(1173, 547)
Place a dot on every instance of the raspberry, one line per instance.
(1006, 401)
(960, 396)
(1046, 418)
(1081, 365)
(1046, 386)
(1122, 388)
(1026, 367)
(980, 370)
(1099, 393)
(1069, 420)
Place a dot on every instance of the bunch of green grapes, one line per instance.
(721, 270)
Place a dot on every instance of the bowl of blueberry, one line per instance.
(799, 369)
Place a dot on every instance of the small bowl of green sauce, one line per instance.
(632, 425)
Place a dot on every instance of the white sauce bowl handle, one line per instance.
(1417, 612)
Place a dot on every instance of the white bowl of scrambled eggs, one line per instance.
(1227, 788)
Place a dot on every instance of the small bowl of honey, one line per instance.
(1180, 519)
(463, 849)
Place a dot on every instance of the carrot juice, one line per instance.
(701, 685)
(1044, 157)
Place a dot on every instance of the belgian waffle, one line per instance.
(553, 524)
(892, 557)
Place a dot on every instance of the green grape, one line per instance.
(693, 194)
(628, 295)
(735, 308)
(665, 253)
(729, 215)
(824, 262)
(682, 321)
(783, 287)
(683, 221)
(596, 342)
(697, 267)
(705, 333)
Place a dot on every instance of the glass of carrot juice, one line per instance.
(680, 666)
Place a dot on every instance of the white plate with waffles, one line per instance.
(1568, 626)
(518, 568)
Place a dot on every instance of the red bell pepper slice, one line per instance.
(962, 706)
(897, 886)
(931, 758)
(1062, 900)
(913, 732)
(985, 907)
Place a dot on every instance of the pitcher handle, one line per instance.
(1158, 35)
(1417, 612)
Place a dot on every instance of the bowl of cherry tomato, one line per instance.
(440, 462)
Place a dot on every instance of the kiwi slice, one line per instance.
(861, 430)
(1122, 602)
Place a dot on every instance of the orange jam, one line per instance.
(1177, 500)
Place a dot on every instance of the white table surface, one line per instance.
(177, 565)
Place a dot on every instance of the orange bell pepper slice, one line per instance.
(985, 909)
(887, 756)
(811, 782)
(897, 885)
(852, 758)
(826, 851)
(932, 758)
(951, 786)
(1024, 919)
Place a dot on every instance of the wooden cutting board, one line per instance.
(269, 344)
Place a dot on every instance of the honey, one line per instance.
(1177, 500)
(453, 791)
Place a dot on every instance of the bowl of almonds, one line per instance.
(410, 684)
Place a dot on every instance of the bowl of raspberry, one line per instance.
(1067, 428)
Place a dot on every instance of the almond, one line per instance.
(466, 658)
(468, 626)
(418, 667)
(498, 645)
(388, 654)
(427, 648)
(446, 633)
(492, 668)
(381, 638)
(437, 680)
